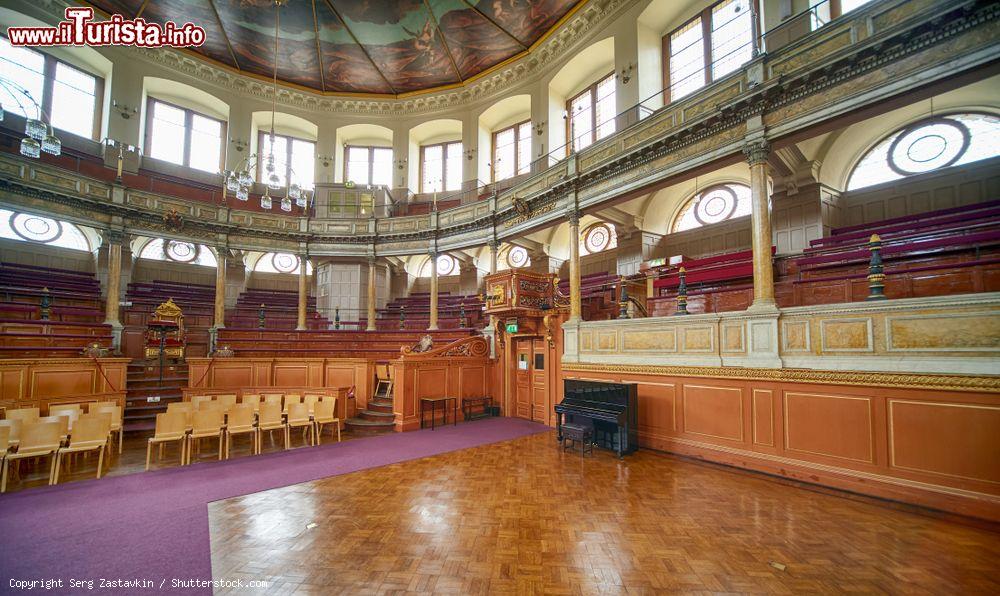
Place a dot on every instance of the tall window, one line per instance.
(368, 165)
(441, 167)
(184, 137)
(512, 151)
(713, 205)
(67, 94)
(708, 47)
(294, 160)
(927, 145)
(591, 114)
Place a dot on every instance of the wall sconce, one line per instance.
(239, 144)
(400, 163)
(123, 110)
(626, 74)
(325, 160)
(469, 154)
(539, 128)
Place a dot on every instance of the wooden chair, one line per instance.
(90, 433)
(298, 417)
(63, 420)
(272, 398)
(4, 441)
(38, 439)
(197, 399)
(13, 436)
(23, 414)
(268, 419)
(211, 405)
(208, 423)
(326, 413)
(170, 427)
(240, 422)
(310, 400)
(93, 406)
(227, 399)
(184, 407)
(74, 409)
(251, 399)
(116, 421)
(291, 399)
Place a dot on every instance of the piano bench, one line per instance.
(578, 432)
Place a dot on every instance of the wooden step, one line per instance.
(363, 426)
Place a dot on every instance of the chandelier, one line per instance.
(40, 135)
(239, 180)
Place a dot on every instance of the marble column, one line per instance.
(434, 293)
(303, 292)
(114, 241)
(371, 294)
(494, 250)
(220, 288)
(574, 265)
(760, 217)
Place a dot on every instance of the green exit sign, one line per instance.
(511, 326)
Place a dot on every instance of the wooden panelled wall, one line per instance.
(932, 447)
(39, 382)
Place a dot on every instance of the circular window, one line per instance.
(715, 205)
(597, 238)
(928, 146)
(35, 227)
(284, 262)
(517, 256)
(183, 252)
(445, 265)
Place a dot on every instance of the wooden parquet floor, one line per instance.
(524, 517)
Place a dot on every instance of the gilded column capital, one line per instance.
(573, 217)
(757, 152)
(115, 237)
(371, 260)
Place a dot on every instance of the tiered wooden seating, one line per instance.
(281, 311)
(950, 251)
(75, 313)
(597, 295)
(196, 300)
(375, 345)
(418, 309)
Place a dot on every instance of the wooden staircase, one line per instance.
(377, 418)
(144, 383)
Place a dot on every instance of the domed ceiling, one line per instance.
(360, 46)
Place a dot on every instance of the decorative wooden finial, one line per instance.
(682, 292)
(876, 275)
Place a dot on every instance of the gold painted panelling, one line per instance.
(846, 335)
(662, 341)
(607, 341)
(63, 182)
(950, 332)
(732, 338)
(659, 124)
(698, 339)
(795, 336)
(589, 161)
(586, 341)
(712, 102)
(837, 41)
(896, 14)
(14, 170)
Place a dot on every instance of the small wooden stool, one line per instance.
(578, 432)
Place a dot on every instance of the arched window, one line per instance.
(28, 227)
(512, 257)
(713, 205)
(281, 262)
(928, 145)
(178, 251)
(598, 237)
(446, 265)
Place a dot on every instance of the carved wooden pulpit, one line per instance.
(166, 331)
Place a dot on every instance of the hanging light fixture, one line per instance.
(40, 136)
(243, 193)
(51, 143)
(35, 128)
(286, 204)
(30, 147)
(265, 200)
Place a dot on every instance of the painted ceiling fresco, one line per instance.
(359, 46)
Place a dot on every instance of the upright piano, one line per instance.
(611, 408)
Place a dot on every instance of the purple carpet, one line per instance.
(153, 526)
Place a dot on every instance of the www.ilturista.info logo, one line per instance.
(79, 29)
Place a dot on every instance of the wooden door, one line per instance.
(522, 378)
(539, 382)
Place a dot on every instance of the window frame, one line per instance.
(706, 36)
(48, 84)
(516, 127)
(288, 155)
(592, 90)
(371, 160)
(188, 119)
(444, 167)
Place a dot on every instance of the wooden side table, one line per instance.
(433, 402)
(469, 403)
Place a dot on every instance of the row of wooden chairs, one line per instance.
(71, 412)
(188, 423)
(51, 436)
